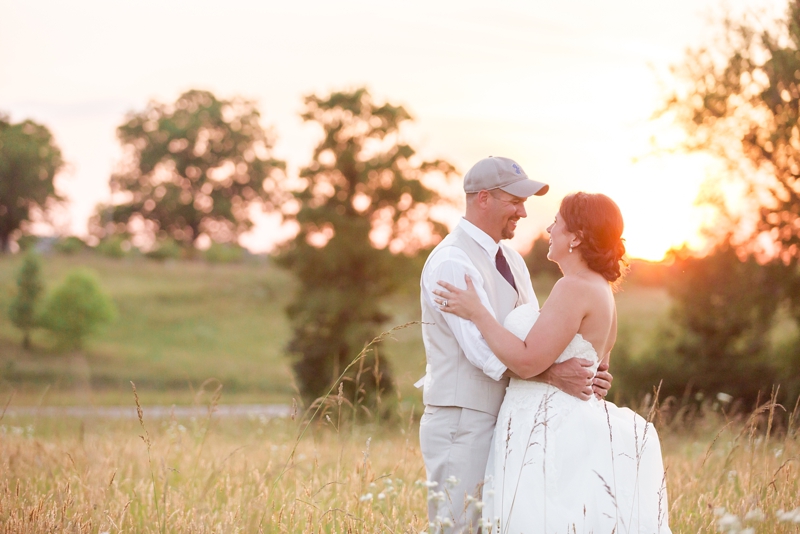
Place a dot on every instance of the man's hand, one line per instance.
(602, 381)
(573, 376)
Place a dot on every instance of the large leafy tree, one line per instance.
(739, 100)
(718, 337)
(29, 161)
(193, 167)
(362, 209)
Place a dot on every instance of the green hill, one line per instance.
(182, 323)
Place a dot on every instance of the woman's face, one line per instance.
(560, 239)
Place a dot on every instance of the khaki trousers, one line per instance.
(455, 446)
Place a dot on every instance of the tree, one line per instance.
(537, 261)
(739, 101)
(77, 308)
(29, 161)
(718, 338)
(22, 311)
(193, 167)
(361, 208)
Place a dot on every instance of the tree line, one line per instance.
(196, 167)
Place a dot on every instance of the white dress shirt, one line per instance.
(450, 265)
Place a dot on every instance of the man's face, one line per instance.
(506, 210)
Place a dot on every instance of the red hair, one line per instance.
(597, 221)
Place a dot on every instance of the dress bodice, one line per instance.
(522, 318)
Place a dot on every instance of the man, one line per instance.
(465, 383)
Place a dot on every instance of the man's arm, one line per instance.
(573, 377)
(453, 267)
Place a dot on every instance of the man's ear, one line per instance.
(483, 198)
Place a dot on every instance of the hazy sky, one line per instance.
(565, 88)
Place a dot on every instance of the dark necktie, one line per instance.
(505, 270)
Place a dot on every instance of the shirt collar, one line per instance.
(482, 238)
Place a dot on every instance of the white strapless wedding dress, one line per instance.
(560, 465)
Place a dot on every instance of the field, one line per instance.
(210, 474)
(183, 323)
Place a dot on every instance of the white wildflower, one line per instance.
(451, 481)
(381, 496)
(436, 496)
(430, 483)
(479, 505)
(728, 522)
(719, 511)
(724, 397)
(447, 522)
(366, 497)
(754, 515)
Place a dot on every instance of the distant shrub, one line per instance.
(22, 311)
(115, 246)
(224, 253)
(69, 245)
(77, 308)
(167, 249)
(27, 242)
(536, 258)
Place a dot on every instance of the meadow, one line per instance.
(209, 474)
(183, 323)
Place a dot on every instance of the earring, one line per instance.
(570, 249)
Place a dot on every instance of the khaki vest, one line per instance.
(451, 379)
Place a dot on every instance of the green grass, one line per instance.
(182, 323)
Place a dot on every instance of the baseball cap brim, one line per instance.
(526, 188)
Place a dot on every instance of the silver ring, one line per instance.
(444, 303)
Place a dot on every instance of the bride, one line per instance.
(559, 464)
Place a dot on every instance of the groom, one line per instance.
(465, 383)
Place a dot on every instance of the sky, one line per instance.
(567, 89)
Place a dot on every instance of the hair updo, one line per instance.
(597, 221)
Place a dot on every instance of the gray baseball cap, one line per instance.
(502, 173)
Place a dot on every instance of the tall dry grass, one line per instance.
(255, 475)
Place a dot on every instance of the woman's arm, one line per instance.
(557, 324)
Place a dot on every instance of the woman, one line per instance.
(560, 464)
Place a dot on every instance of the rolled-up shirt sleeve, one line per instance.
(452, 270)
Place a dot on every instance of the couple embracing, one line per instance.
(516, 434)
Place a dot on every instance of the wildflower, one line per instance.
(719, 511)
(479, 505)
(372, 485)
(791, 516)
(724, 397)
(436, 496)
(452, 481)
(447, 522)
(728, 523)
(430, 483)
(366, 497)
(381, 496)
(732, 474)
(754, 515)
(490, 493)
